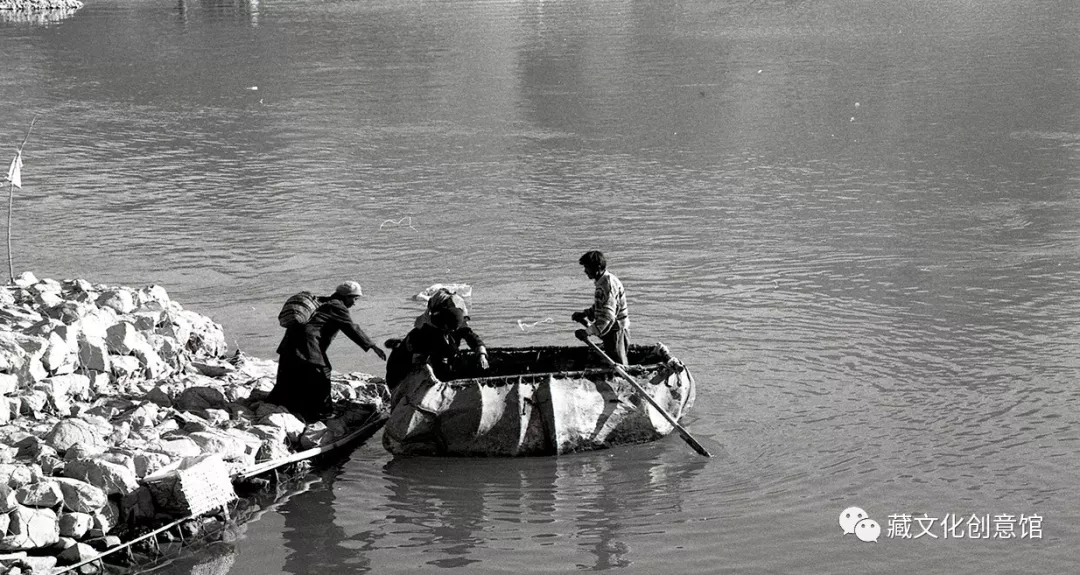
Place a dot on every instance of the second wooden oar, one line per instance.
(645, 395)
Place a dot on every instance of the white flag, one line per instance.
(14, 172)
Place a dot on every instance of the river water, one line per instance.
(857, 222)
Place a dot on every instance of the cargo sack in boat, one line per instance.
(298, 309)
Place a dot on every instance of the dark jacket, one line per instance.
(427, 344)
(308, 342)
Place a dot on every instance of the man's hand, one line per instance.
(379, 352)
(578, 316)
(581, 334)
(484, 362)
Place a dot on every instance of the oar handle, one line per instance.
(648, 398)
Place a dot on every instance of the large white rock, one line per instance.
(96, 323)
(12, 354)
(152, 293)
(59, 352)
(119, 299)
(110, 477)
(9, 384)
(31, 528)
(26, 279)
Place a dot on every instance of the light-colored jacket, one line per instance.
(609, 306)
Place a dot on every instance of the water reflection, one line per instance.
(312, 532)
(242, 9)
(587, 509)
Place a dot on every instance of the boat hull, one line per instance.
(562, 402)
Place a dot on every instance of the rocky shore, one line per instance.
(109, 393)
(39, 5)
(37, 12)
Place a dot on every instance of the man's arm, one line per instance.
(341, 316)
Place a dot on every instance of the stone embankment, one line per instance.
(39, 5)
(102, 387)
(37, 12)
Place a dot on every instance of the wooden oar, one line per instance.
(641, 391)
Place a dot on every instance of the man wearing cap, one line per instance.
(303, 378)
(608, 317)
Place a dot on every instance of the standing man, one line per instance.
(303, 378)
(607, 318)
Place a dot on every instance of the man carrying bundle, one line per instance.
(435, 339)
(303, 378)
(607, 318)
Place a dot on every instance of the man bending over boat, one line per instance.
(434, 340)
(607, 318)
(303, 378)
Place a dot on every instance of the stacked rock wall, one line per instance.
(101, 386)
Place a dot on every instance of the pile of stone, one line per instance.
(101, 387)
(39, 7)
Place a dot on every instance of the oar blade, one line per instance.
(648, 398)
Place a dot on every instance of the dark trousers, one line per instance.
(617, 344)
(303, 388)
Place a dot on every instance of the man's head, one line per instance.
(449, 319)
(594, 262)
(348, 293)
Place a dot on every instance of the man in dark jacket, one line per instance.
(303, 378)
(435, 341)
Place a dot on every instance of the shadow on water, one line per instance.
(312, 533)
(584, 508)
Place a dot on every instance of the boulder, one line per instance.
(121, 300)
(94, 354)
(12, 354)
(146, 415)
(149, 462)
(26, 279)
(45, 493)
(178, 447)
(9, 383)
(16, 475)
(229, 447)
(287, 422)
(7, 500)
(123, 338)
(81, 496)
(152, 294)
(77, 553)
(59, 354)
(31, 528)
(200, 398)
(110, 477)
(72, 431)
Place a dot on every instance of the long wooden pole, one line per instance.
(645, 395)
(11, 203)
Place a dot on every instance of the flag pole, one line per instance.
(11, 201)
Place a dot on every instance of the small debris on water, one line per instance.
(524, 325)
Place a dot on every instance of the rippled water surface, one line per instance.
(856, 222)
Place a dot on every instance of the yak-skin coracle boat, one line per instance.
(537, 401)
